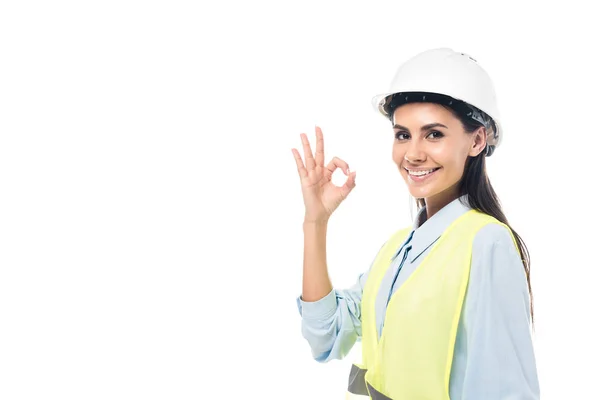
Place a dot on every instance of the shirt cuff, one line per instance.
(321, 309)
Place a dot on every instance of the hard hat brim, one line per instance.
(378, 102)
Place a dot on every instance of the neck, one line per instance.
(435, 203)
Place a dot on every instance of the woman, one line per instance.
(444, 311)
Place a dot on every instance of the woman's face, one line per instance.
(431, 148)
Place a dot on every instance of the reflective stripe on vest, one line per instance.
(413, 357)
(357, 386)
(360, 391)
(356, 381)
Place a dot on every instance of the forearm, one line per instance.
(332, 324)
(331, 320)
(315, 277)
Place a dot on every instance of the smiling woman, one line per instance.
(430, 150)
(444, 311)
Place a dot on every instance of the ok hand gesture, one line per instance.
(321, 196)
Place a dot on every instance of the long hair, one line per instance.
(482, 197)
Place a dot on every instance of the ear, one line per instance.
(479, 140)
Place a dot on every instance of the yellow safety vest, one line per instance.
(413, 357)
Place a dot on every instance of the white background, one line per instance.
(150, 209)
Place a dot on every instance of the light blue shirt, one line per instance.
(493, 354)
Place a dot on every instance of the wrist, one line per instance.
(318, 222)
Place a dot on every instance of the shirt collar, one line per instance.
(425, 233)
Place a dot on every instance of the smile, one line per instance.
(420, 175)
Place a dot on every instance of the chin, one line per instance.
(424, 191)
(422, 194)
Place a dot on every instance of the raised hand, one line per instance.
(321, 196)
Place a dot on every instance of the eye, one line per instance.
(435, 135)
(401, 135)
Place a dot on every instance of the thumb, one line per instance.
(349, 184)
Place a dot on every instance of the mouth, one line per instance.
(421, 175)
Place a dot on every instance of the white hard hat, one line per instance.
(455, 76)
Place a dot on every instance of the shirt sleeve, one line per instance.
(332, 325)
(500, 360)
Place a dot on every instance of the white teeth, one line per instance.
(420, 173)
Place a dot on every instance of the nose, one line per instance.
(414, 152)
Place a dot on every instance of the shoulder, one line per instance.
(495, 254)
(494, 234)
(497, 274)
(486, 232)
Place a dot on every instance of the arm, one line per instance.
(315, 278)
(321, 197)
(332, 323)
(500, 360)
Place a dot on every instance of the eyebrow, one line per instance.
(423, 128)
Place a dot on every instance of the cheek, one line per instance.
(453, 163)
(451, 155)
(397, 154)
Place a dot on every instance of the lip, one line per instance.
(419, 179)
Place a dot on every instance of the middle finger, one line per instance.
(310, 161)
